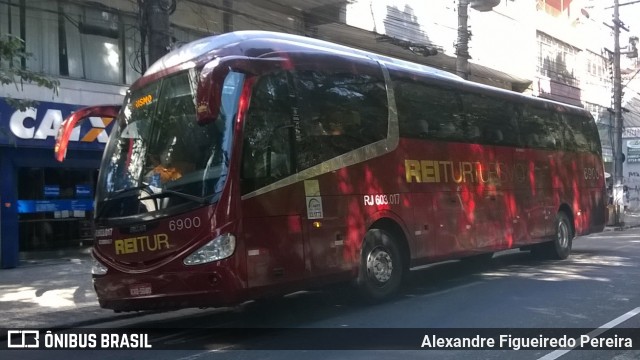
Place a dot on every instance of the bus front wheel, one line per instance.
(381, 269)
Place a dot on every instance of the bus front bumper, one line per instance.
(167, 291)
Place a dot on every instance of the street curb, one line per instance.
(620, 228)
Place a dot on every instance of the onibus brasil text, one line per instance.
(51, 340)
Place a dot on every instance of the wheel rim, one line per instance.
(379, 265)
(563, 235)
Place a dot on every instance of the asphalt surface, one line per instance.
(57, 292)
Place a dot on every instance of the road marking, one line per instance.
(611, 324)
(199, 355)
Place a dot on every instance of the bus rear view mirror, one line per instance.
(217, 95)
(208, 93)
(215, 81)
(74, 120)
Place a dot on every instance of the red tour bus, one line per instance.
(253, 164)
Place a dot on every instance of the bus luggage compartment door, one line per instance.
(275, 253)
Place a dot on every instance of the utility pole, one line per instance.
(618, 157)
(154, 24)
(462, 44)
(158, 21)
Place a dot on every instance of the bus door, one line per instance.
(271, 206)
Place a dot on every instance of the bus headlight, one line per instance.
(217, 249)
(97, 268)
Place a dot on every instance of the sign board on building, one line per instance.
(633, 151)
(39, 206)
(631, 132)
(83, 191)
(38, 126)
(51, 191)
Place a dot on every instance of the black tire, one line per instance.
(381, 267)
(560, 247)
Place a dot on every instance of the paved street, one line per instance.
(58, 292)
(598, 285)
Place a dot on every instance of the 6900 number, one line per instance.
(186, 223)
(591, 174)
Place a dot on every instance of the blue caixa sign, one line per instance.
(38, 126)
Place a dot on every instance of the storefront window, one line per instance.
(55, 208)
(85, 42)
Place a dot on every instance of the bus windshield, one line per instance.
(159, 157)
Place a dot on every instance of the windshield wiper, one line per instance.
(107, 203)
(166, 193)
(124, 192)
(119, 195)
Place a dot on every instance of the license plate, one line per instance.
(140, 289)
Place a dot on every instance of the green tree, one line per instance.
(13, 73)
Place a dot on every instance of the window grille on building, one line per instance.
(557, 60)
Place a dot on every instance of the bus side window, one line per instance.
(578, 130)
(590, 130)
(422, 128)
(267, 149)
(550, 142)
(279, 151)
(427, 111)
(254, 164)
(271, 162)
(448, 131)
(341, 110)
(541, 129)
(496, 117)
(474, 134)
(497, 136)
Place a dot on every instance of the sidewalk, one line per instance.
(631, 220)
(49, 292)
(57, 293)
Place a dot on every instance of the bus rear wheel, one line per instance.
(381, 268)
(560, 247)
